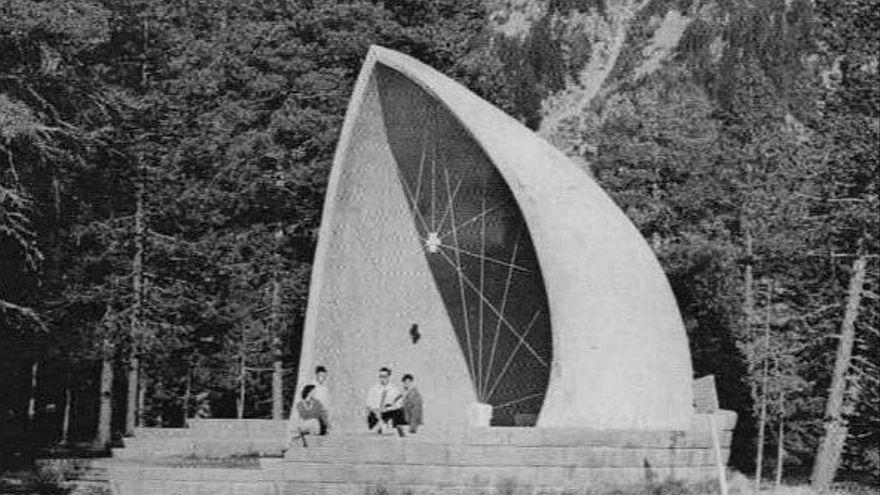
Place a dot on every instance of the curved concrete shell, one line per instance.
(458, 246)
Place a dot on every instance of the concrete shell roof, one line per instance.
(620, 350)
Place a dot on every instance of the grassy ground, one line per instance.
(737, 485)
(30, 482)
(20, 473)
(34, 481)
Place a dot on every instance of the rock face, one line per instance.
(604, 47)
(527, 287)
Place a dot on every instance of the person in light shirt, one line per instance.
(322, 393)
(383, 406)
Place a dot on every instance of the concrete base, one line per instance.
(212, 457)
(479, 414)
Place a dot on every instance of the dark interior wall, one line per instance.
(477, 245)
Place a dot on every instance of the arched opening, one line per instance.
(478, 247)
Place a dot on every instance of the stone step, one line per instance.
(697, 435)
(92, 487)
(548, 437)
(157, 450)
(145, 480)
(159, 487)
(132, 465)
(167, 487)
(220, 474)
(203, 448)
(98, 476)
(367, 446)
(503, 455)
(259, 427)
(413, 447)
(162, 433)
(484, 476)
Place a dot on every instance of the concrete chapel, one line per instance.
(530, 290)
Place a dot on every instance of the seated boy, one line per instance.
(383, 405)
(412, 404)
(308, 418)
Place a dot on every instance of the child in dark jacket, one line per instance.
(412, 404)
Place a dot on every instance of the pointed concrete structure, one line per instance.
(460, 247)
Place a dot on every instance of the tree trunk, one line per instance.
(780, 444)
(32, 401)
(137, 268)
(748, 278)
(759, 456)
(187, 394)
(277, 356)
(749, 291)
(828, 457)
(277, 385)
(105, 414)
(765, 381)
(65, 422)
(142, 398)
(749, 275)
(131, 402)
(241, 389)
(56, 194)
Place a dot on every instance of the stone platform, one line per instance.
(230, 457)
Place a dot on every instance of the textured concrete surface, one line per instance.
(620, 352)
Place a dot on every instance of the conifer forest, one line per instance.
(163, 165)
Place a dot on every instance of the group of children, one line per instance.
(387, 407)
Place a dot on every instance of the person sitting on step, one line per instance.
(309, 418)
(322, 393)
(412, 404)
(383, 407)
